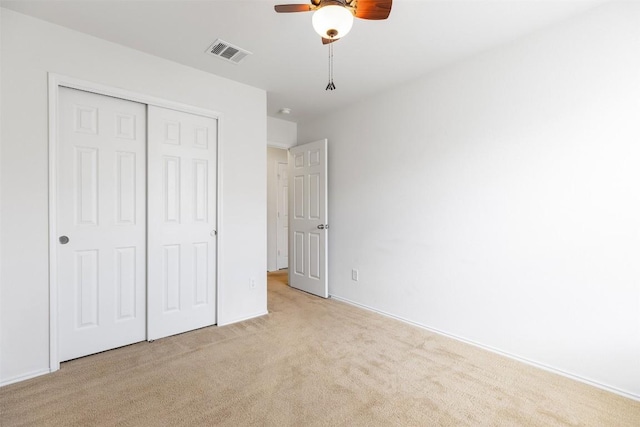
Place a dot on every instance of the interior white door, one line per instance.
(308, 218)
(182, 199)
(282, 243)
(101, 221)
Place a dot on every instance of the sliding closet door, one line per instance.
(101, 223)
(182, 220)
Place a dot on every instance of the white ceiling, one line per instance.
(288, 60)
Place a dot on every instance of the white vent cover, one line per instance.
(227, 51)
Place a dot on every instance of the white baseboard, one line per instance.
(497, 351)
(242, 319)
(24, 377)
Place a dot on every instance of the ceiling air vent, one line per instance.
(227, 51)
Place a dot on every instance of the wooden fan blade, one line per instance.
(287, 8)
(327, 41)
(373, 9)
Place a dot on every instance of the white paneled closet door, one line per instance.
(101, 223)
(182, 222)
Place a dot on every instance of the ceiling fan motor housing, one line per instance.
(343, 3)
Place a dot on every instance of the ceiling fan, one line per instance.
(333, 19)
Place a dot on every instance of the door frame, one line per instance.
(55, 81)
(278, 163)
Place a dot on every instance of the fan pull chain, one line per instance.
(331, 85)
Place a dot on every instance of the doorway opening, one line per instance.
(277, 209)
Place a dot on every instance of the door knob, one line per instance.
(64, 240)
(321, 227)
(213, 233)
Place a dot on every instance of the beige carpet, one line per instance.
(309, 362)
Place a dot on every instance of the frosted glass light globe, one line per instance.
(332, 21)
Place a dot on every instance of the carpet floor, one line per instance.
(308, 362)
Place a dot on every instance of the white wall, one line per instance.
(274, 156)
(1, 238)
(30, 49)
(281, 133)
(498, 199)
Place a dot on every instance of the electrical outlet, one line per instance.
(354, 275)
(252, 283)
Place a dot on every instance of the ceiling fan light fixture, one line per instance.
(332, 21)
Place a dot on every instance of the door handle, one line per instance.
(63, 240)
(213, 233)
(323, 227)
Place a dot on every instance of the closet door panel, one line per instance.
(182, 220)
(101, 221)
